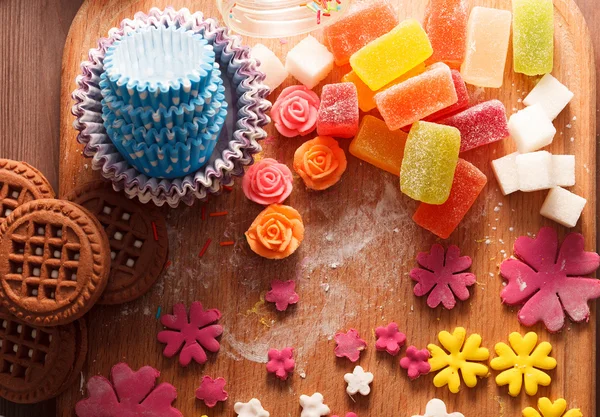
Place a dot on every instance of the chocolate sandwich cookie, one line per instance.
(35, 362)
(54, 262)
(138, 240)
(19, 184)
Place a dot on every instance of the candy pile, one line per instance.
(415, 76)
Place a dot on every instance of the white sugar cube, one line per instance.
(309, 62)
(563, 206)
(531, 129)
(551, 95)
(563, 170)
(270, 65)
(505, 169)
(535, 171)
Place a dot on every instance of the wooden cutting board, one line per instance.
(352, 269)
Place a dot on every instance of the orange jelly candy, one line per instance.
(446, 25)
(362, 24)
(443, 219)
(378, 145)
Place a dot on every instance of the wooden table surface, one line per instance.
(33, 34)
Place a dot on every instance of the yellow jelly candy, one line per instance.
(430, 158)
(552, 409)
(366, 100)
(458, 356)
(391, 55)
(378, 145)
(523, 360)
(533, 36)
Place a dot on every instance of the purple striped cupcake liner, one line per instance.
(238, 142)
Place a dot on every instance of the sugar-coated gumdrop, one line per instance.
(441, 220)
(338, 112)
(366, 96)
(488, 33)
(479, 125)
(391, 55)
(363, 23)
(462, 103)
(430, 158)
(417, 97)
(377, 145)
(533, 36)
(446, 25)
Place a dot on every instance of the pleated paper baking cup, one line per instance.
(163, 117)
(172, 160)
(238, 142)
(158, 66)
(180, 126)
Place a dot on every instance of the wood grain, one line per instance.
(351, 299)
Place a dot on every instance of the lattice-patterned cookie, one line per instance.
(19, 184)
(138, 240)
(54, 262)
(35, 362)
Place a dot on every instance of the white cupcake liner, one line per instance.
(158, 66)
(234, 149)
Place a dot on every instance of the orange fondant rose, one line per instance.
(320, 162)
(276, 232)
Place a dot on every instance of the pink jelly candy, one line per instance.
(479, 125)
(545, 278)
(338, 112)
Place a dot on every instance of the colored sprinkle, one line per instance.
(312, 7)
(218, 213)
(168, 264)
(227, 243)
(338, 1)
(227, 188)
(204, 248)
(319, 17)
(158, 313)
(326, 14)
(283, 41)
(155, 231)
(203, 213)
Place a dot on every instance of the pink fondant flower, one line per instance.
(546, 279)
(443, 276)
(282, 293)
(295, 111)
(389, 338)
(128, 393)
(416, 362)
(211, 391)
(268, 182)
(192, 336)
(281, 362)
(349, 345)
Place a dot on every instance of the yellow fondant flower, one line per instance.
(458, 356)
(552, 409)
(520, 360)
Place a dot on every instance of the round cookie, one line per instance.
(19, 184)
(81, 347)
(34, 361)
(54, 262)
(138, 240)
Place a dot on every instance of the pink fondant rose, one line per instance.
(268, 182)
(295, 111)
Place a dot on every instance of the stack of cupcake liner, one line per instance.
(238, 142)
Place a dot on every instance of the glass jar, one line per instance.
(280, 18)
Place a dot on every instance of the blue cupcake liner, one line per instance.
(159, 66)
(171, 160)
(164, 117)
(179, 132)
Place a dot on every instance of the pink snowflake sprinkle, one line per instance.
(195, 335)
(546, 279)
(349, 345)
(130, 394)
(282, 294)
(416, 362)
(211, 391)
(389, 338)
(281, 362)
(442, 276)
